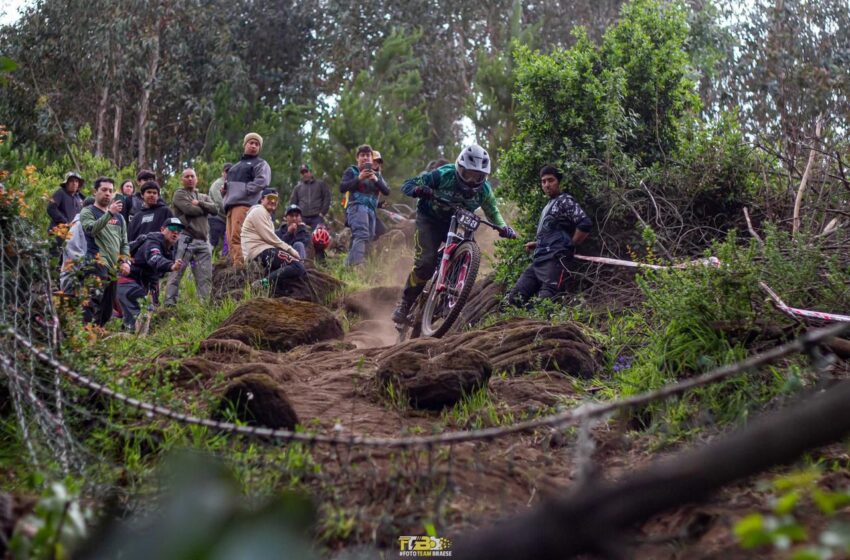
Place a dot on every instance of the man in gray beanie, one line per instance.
(245, 183)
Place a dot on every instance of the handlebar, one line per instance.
(454, 205)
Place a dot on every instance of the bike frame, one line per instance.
(450, 245)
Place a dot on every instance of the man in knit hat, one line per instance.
(246, 180)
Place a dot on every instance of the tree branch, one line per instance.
(798, 201)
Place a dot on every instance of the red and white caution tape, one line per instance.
(807, 313)
(710, 261)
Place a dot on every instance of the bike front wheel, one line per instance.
(445, 303)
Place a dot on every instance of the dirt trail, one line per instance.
(332, 386)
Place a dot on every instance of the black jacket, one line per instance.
(560, 219)
(149, 220)
(302, 234)
(132, 206)
(63, 207)
(152, 261)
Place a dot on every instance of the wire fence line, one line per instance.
(804, 344)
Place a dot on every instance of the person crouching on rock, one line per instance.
(151, 261)
(294, 231)
(260, 244)
(562, 227)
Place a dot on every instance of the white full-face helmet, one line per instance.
(472, 166)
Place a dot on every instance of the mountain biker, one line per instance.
(464, 183)
(562, 227)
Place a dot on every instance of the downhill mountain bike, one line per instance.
(440, 303)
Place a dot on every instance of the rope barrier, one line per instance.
(796, 312)
(804, 343)
(710, 261)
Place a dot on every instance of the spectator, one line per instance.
(73, 254)
(151, 260)
(218, 221)
(280, 261)
(364, 185)
(106, 249)
(152, 215)
(313, 197)
(192, 208)
(562, 227)
(294, 231)
(66, 203)
(378, 165)
(133, 202)
(245, 183)
(142, 177)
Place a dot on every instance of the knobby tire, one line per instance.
(471, 249)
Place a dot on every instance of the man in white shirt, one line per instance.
(260, 243)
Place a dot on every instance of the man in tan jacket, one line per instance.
(260, 243)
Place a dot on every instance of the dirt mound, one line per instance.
(278, 324)
(485, 299)
(258, 400)
(317, 287)
(434, 382)
(518, 346)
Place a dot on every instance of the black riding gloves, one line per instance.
(423, 192)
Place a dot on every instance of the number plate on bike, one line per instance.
(468, 220)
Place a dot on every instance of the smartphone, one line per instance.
(367, 166)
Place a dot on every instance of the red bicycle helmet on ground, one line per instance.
(321, 237)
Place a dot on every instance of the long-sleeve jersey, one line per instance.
(560, 219)
(443, 181)
(106, 234)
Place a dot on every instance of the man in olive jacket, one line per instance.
(193, 247)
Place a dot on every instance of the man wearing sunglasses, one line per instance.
(151, 261)
(464, 182)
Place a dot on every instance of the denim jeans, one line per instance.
(361, 220)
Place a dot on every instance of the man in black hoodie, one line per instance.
(151, 261)
(154, 213)
(66, 203)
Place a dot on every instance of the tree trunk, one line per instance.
(116, 137)
(144, 104)
(101, 120)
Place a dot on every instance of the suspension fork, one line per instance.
(452, 242)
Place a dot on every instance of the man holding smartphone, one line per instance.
(364, 186)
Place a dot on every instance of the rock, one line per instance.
(278, 324)
(435, 382)
(259, 401)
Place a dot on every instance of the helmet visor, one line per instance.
(471, 177)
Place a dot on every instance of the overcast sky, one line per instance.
(9, 10)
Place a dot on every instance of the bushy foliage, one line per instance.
(701, 317)
(621, 119)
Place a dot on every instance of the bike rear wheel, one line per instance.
(443, 307)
